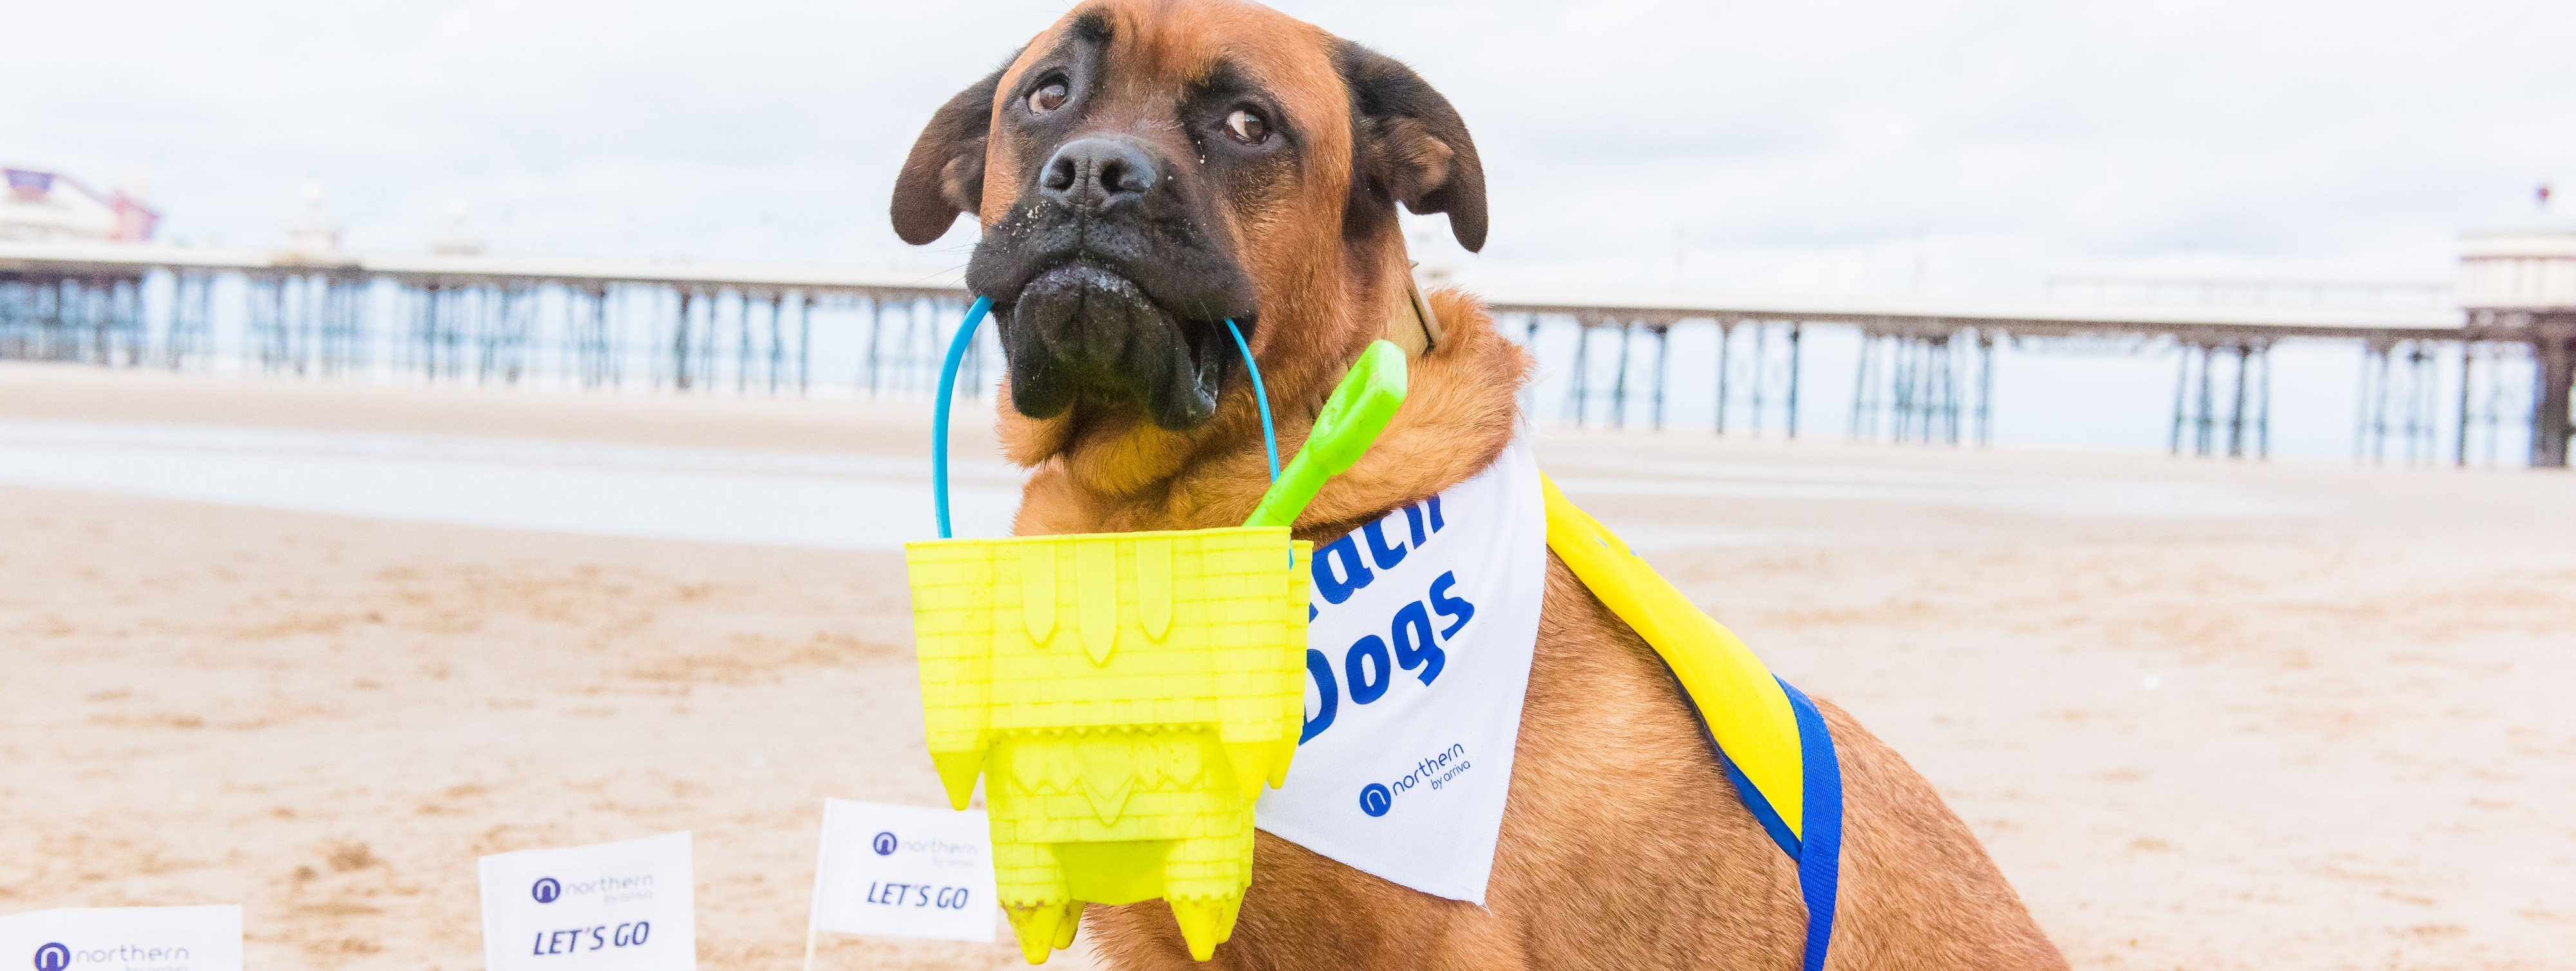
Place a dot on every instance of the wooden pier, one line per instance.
(1924, 374)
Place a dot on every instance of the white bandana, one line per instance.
(1417, 660)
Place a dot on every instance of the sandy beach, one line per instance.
(2206, 715)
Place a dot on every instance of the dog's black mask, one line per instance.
(1111, 286)
(1109, 274)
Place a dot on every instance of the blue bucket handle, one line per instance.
(965, 340)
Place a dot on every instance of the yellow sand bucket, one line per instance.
(1125, 695)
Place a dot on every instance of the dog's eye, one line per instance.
(1047, 98)
(1247, 127)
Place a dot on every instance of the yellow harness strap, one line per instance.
(1772, 740)
(1744, 707)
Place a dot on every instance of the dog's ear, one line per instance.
(944, 175)
(1410, 146)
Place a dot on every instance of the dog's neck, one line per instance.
(1460, 410)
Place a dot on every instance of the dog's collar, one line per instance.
(1413, 326)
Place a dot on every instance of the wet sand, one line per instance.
(2205, 715)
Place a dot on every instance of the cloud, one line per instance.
(1971, 145)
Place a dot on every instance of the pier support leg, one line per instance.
(1860, 387)
(1577, 394)
(2203, 423)
(611, 370)
(1725, 336)
(1905, 355)
(2460, 445)
(2236, 412)
(777, 342)
(1619, 385)
(805, 347)
(876, 326)
(680, 345)
(2263, 412)
(2182, 381)
(1985, 388)
(1794, 333)
(2379, 408)
(1761, 357)
(2555, 354)
(1663, 362)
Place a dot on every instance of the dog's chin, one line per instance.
(1081, 337)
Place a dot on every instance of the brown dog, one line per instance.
(1146, 169)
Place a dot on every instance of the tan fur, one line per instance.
(1316, 312)
(1624, 845)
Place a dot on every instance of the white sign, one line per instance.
(123, 939)
(625, 906)
(904, 871)
(1418, 655)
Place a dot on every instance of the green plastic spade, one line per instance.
(1350, 423)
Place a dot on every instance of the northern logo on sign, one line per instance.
(199, 938)
(904, 871)
(622, 905)
(610, 889)
(59, 957)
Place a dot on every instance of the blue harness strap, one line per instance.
(1820, 854)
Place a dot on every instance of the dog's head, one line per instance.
(1145, 170)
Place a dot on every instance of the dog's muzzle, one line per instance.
(1080, 331)
(1109, 290)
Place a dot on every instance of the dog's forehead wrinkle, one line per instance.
(1093, 25)
(1065, 45)
(1181, 45)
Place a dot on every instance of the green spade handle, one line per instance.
(1350, 422)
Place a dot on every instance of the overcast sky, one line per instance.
(1884, 145)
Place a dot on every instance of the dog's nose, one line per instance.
(1098, 174)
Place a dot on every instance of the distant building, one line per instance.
(45, 206)
(2523, 281)
(313, 233)
(2522, 269)
(458, 239)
